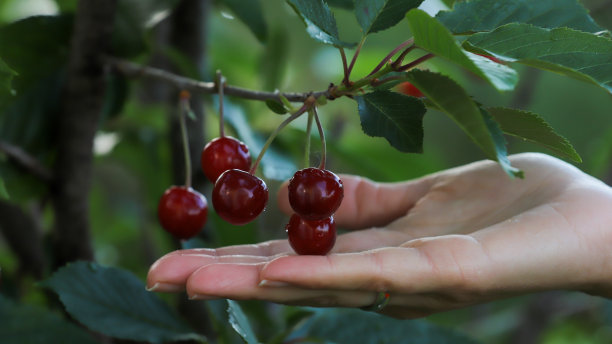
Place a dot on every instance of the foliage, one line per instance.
(449, 56)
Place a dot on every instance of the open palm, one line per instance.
(455, 238)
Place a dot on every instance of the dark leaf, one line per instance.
(276, 107)
(378, 15)
(572, 53)
(6, 79)
(274, 59)
(532, 127)
(319, 20)
(501, 152)
(487, 15)
(356, 326)
(346, 4)
(250, 13)
(450, 98)
(3, 192)
(23, 324)
(240, 323)
(114, 302)
(432, 36)
(396, 117)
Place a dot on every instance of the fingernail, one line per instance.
(273, 284)
(166, 287)
(202, 297)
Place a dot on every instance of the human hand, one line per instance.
(452, 239)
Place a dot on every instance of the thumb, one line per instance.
(367, 203)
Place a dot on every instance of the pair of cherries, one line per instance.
(238, 196)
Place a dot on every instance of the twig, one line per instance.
(135, 70)
(26, 161)
(387, 58)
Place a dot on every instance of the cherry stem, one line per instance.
(220, 81)
(414, 63)
(307, 104)
(322, 136)
(183, 108)
(387, 58)
(307, 143)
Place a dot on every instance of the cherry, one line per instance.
(411, 90)
(316, 237)
(315, 194)
(182, 211)
(239, 197)
(222, 154)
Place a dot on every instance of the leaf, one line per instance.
(273, 62)
(532, 127)
(319, 20)
(6, 78)
(572, 53)
(276, 107)
(240, 323)
(251, 13)
(450, 98)
(355, 326)
(346, 4)
(396, 117)
(432, 36)
(486, 15)
(3, 192)
(24, 324)
(379, 15)
(114, 302)
(501, 153)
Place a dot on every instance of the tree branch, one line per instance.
(131, 69)
(26, 161)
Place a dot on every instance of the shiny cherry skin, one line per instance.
(308, 237)
(182, 211)
(411, 90)
(315, 194)
(239, 197)
(222, 154)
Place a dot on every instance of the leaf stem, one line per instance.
(307, 105)
(387, 58)
(344, 66)
(414, 63)
(347, 81)
(322, 137)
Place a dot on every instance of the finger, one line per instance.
(453, 263)
(367, 203)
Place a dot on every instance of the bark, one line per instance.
(82, 102)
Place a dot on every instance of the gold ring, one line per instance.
(382, 299)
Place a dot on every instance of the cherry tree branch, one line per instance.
(26, 161)
(135, 70)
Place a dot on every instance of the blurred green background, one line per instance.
(133, 157)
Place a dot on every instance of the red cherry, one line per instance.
(182, 211)
(222, 154)
(311, 237)
(411, 90)
(315, 194)
(239, 197)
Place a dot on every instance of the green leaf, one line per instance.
(276, 107)
(319, 20)
(501, 153)
(355, 326)
(6, 78)
(251, 13)
(274, 59)
(24, 324)
(379, 15)
(396, 117)
(486, 15)
(346, 4)
(572, 53)
(432, 36)
(114, 302)
(533, 128)
(3, 192)
(450, 98)
(240, 323)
